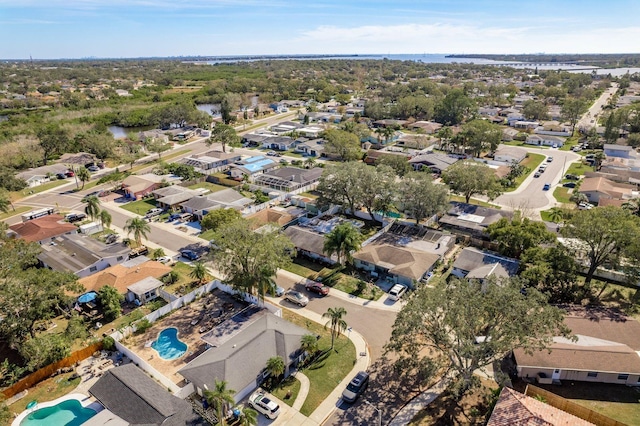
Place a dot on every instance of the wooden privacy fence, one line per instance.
(46, 372)
(571, 407)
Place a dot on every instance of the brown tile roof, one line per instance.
(607, 342)
(514, 408)
(403, 261)
(43, 228)
(122, 276)
(600, 184)
(271, 216)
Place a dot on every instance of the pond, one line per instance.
(211, 109)
(120, 132)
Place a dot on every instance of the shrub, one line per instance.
(108, 343)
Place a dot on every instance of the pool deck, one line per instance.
(193, 323)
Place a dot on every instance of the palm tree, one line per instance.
(309, 162)
(264, 285)
(219, 398)
(4, 204)
(309, 343)
(159, 252)
(83, 174)
(335, 323)
(275, 366)
(105, 218)
(342, 240)
(92, 209)
(248, 416)
(199, 272)
(139, 227)
(556, 214)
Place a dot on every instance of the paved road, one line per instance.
(590, 118)
(530, 197)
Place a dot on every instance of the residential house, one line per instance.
(428, 127)
(597, 188)
(509, 154)
(288, 179)
(139, 186)
(134, 398)
(280, 143)
(211, 161)
(473, 263)
(126, 274)
(514, 117)
(552, 128)
(619, 151)
(470, 219)
(405, 254)
(241, 360)
(374, 155)
(488, 111)
(254, 139)
(81, 254)
(76, 159)
(310, 244)
(324, 117)
(389, 123)
(436, 162)
(312, 148)
(419, 142)
(143, 291)
(515, 408)
(509, 134)
(311, 131)
(252, 166)
(285, 127)
(42, 229)
(606, 350)
(200, 205)
(154, 135)
(524, 125)
(170, 197)
(544, 140)
(281, 216)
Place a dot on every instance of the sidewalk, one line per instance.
(409, 411)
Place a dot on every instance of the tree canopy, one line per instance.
(342, 240)
(219, 217)
(223, 134)
(344, 145)
(421, 197)
(517, 235)
(443, 323)
(469, 178)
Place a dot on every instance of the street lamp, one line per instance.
(375, 408)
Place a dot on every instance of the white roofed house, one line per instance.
(200, 205)
(544, 140)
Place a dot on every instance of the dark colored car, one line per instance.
(75, 217)
(571, 177)
(570, 185)
(189, 254)
(356, 387)
(61, 175)
(318, 288)
(93, 168)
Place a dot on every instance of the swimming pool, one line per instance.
(66, 412)
(168, 345)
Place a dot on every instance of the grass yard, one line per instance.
(351, 284)
(289, 384)
(306, 268)
(212, 187)
(18, 210)
(47, 390)
(531, 164)
(577, 169)
(140, 207)
(185, 283)
(562, 195)
(329, 368)
(155, 161)
(312, 194)
(619, 402)
(474, 201)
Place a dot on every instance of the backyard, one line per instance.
(47, 390)
(212, 187)
(329, 367)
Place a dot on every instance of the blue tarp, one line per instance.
(88, 297)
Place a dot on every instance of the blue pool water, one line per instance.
(65, 413)
(168, 345)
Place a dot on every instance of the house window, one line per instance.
(93, 269)
(592, 374)
(623, 376)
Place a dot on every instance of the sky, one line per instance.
(50, 29)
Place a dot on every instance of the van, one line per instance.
(397, 291)
(185, 217)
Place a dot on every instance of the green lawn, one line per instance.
(18, 210)
(351, 284)
(17, 195)
(569, 143)
(329, 368)
(562, 195)
(577, 169)
(165, 158)
(289, 384)
(212, 187)
(531, 164)
(619, 402)
(185, 283)
(474, 201)
(207, 235)
(140, 207)
(47, 390)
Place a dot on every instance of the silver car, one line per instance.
(296, 297)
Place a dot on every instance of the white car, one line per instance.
(397, 291)
(259, 402)
(164, 259)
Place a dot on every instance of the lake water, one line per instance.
(211, 109)
(120, 132)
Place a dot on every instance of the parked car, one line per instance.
(75, 217)
(549, 159)
(164, 259)
(316, 287)
(585, 206)
(173, 217)
(536, 175)
(154, 212)
(70, 173)
(93, 168)
(570, 185)
(397, 291)
(571, 177)
(546, 187)
(356, 387)
(259, 402)
(189, 254)
(278, 291)
(555, 145)
(271, 153)
(61, 175)
(296, 297)
(111, 238)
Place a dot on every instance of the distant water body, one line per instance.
(429, 58)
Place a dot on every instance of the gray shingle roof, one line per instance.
(480, 264)
(136, 398)
(306, 240)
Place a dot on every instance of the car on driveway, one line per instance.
(571, 177)
(570, 185)
(164, 259)
(356, 387)
(546, 187)
(316, 287)
(189, 254)
(278, 291)
(262, 404)
(296, 297)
